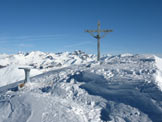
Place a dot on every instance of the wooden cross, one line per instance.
(98, 37)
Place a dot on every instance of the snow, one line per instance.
(119, 88)
(39, 61)
(158, 76)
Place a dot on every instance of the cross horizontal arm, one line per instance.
(99, 30)
(106, 30)
(90, 30)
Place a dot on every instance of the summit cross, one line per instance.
(98, 37)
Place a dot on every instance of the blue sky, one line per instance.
(58, 25)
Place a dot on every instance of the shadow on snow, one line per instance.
(137, 94)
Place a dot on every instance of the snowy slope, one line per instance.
(39, 61)
(158, 75)
(122, 88)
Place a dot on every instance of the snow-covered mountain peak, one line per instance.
(75, 87)
(42, 62)
(39, 61)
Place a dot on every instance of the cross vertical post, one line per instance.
(98, 41)
(98, 37)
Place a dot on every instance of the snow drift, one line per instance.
(158, 76)
(121, 88)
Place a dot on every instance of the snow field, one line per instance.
(40, 62)
(122, 88)
(158, 75)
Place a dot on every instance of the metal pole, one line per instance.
(27, 75)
